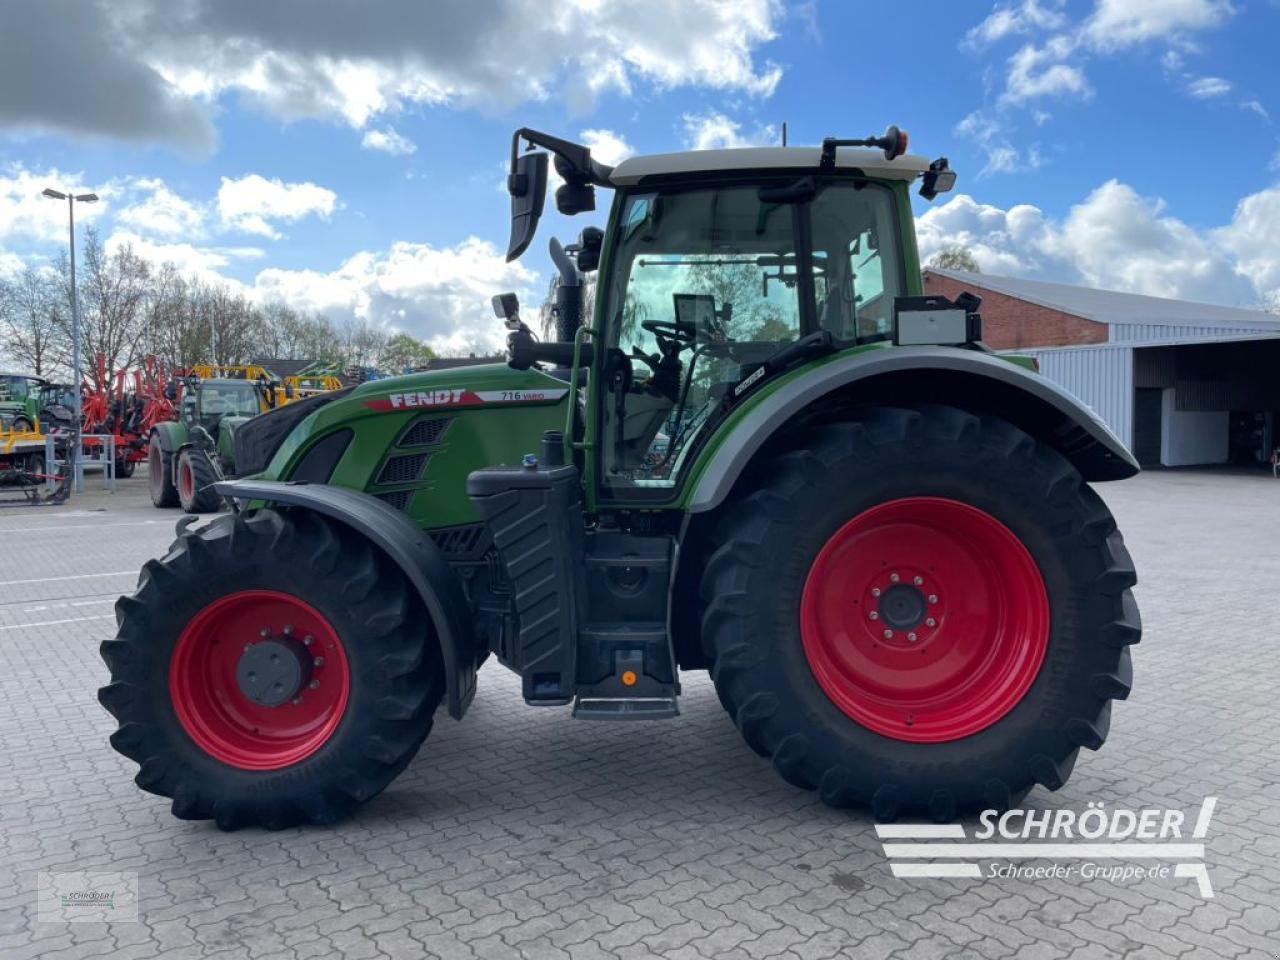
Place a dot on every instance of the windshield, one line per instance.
(708, 284)
(228, 399)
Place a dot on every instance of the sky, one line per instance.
(350, 158)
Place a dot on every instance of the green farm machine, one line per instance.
(766, 454)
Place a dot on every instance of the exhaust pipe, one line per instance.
(568, 306)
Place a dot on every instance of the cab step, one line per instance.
(626, 708)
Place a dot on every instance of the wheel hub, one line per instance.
(924, 619)
(274, 671)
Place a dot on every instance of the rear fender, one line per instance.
(968, 379)
(409, 547)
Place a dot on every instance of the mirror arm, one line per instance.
(574, 154)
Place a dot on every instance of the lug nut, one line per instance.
(296, 701)
(308, 640)
(264, 633)
(933, 598)
(875, 591)
(911, 637)
(931, 622)
(894, 578)
(918, 581)
(248, 647)
(288, 629)
(873, 615)
(314, 684)
(318, 661)
(888, 634)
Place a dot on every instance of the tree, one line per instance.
(28, 307)
(362, 343)
(404, 354)
(955, 257)
(113, 294)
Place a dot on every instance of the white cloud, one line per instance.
(251, 203)
(1122, 23)
(1254, 237)
(162, 212)
(205, 263)
(440, 294)
(1018, 18)
(991, 138)
(1207, 88)
(1036, 72)
(1116, 239)
(25, 213)
(1255, 106)
(606, 146)
(388, 141)
(715, 131)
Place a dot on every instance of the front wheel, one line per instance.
(920, 610)
(196, 478)
(252, 688)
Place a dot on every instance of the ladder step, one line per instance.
(625, 708)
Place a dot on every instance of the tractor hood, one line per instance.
(411, 440)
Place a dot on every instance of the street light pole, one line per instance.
(77, 376)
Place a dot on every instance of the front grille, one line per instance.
(424, 432)
(405, 468)
(397, 498)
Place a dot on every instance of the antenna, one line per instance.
(784, 133)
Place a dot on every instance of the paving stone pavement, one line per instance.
(522, 833)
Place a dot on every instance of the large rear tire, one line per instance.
(160, 474)
(195, 481)
(922, 611)
(363, 678)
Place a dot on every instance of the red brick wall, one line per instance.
(1008, 322)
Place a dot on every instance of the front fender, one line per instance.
(408, 547)
(173, 435)
(968, 379)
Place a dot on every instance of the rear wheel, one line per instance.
(196, 478)
(255, 690)
(164, 493)
(921, 610)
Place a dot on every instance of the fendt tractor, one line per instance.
(765, 454)
(187, 456)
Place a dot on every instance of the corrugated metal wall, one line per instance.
(1170, 333)
(1100, 376)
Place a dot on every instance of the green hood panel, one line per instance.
(471, 417)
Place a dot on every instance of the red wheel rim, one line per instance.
(222, 720)
(925, 619)
(186, 479)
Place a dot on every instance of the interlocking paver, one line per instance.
(519, 833)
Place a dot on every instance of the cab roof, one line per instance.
(871, 162)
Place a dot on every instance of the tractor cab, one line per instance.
(720, 271)
(212, 400)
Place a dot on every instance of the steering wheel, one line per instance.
(681, 331)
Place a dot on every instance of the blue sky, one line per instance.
(352, 161)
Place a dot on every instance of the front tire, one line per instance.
(183, 682)
(922, 611)
(195, 481)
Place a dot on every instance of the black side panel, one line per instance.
(318, 463)
(409, 547)
(535, 517)
(257, 440)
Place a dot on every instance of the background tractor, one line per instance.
(186, 456)
(20, 400)
(767, 456)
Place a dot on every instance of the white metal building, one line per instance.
(1180, 383)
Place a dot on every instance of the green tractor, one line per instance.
(20, 401)
(187, 456)
(766, 455)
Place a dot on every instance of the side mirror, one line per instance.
(505, 305)
(577, 195)
(527, 185)
(589, 243)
